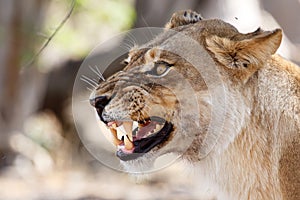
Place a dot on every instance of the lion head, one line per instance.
(172, 88)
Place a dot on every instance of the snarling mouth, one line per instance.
(134, 139)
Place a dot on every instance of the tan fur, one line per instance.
(257, 154)
(183, 17)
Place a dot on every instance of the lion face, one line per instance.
(161, 103)
(144, 105)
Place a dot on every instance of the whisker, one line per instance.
(127, 47)
(148, 27)
(99, 72)
(128, 43)
(83, 101)
(93, 70)
(89, 89)
(95, 80)
(132, 38)
(91, 80)
(88, 81)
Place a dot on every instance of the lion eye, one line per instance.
(160, 68)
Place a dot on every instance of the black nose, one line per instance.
(99, 102)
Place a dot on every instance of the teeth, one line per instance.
(128, 144)
(158, 127)
(114, 126)
(135, 125)
(115, 139)
(128, 129)
(123, 130)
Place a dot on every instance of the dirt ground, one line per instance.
(102, 183)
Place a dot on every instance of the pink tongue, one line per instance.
(127, 151)
(146, 129)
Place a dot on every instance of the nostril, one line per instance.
(99, 102)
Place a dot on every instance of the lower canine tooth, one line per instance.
(128, 129)
(157, 127)
(128, 144)
(114, 137)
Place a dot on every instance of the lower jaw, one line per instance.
(128, 156)
(146, 144)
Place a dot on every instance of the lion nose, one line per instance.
(99, 102)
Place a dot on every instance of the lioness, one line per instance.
(255, 152)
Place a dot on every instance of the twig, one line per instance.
(51, 36)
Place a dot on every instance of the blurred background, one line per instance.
(41, 155)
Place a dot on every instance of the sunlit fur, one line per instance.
(258, 152)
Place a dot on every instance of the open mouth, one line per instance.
(134, 139)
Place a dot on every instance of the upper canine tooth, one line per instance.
(114, 125)
(135, 125)
(157, 127)
(128, 129)
(128, 144)
(114, 137)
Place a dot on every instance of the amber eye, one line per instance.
(160, 68)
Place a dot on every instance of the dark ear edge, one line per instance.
(240, 54)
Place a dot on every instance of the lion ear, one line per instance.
(254, 50)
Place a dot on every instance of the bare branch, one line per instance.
(52, 35)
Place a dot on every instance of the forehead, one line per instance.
(161, 46)
(180, 39)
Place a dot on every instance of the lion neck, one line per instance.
(251, 146)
